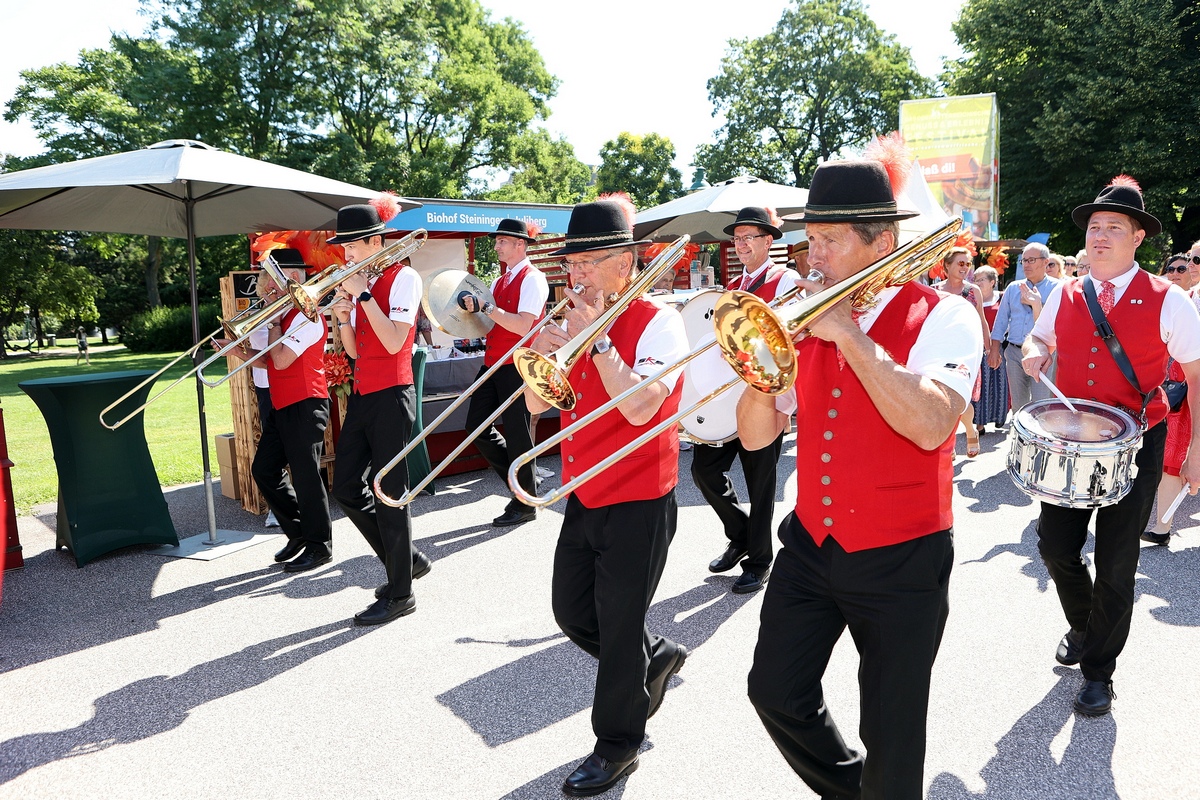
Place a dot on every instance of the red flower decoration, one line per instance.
(690, 251)
(337, 372)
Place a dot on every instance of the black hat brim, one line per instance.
(354, 237)
(806, 217)
(587, 247)
(776, 233)
(513, 234)
(1083, 213)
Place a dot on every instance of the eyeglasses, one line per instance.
(1194, 259)
(748, 239)
(1180, 269)
(584, 264)
(1027, 259)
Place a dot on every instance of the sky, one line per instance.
(660, 87)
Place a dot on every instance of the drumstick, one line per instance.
(1170, 515)
(1057, 393)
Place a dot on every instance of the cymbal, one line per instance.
(441, 304)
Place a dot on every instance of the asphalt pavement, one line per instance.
(140, 676)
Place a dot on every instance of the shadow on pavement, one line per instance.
(159, 704)
(550, 784)
(1024, 765)
(554, 683)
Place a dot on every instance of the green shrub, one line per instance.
(163, 329)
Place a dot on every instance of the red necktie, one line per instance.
(1108, 297)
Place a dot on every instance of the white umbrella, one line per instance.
(177, 188)
(704, 214)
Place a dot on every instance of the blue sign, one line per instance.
(480, 217)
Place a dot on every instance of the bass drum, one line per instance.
(715, 422)
(1082, 459)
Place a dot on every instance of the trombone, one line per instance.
(895, 269)
(305, 297)
(653, 271)
(411, 494)
(547, 375)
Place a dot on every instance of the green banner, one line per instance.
(955, 140)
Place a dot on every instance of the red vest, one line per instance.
(376, 368)
(648, 472)
(1086, 368)
(769, 287)
(857, 480)
(305, 378)
(507, 293)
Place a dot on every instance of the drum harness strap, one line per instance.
(1114, 345)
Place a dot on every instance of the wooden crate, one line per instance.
(244, 404)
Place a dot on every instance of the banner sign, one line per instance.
(479, 217)
(955, 140)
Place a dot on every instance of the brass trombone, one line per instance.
(411, 494)
(547, 375)
(895, 269)
(305, 297)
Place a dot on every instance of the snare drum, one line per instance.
(1075, 460)
(715, 422)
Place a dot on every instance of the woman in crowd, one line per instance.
(992, 405)
(1054, 267)
(1083, 264)
(1179, 423)
(956, 265)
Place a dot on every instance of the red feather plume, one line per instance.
(893, 153)
(623, 200)
(773, 217)
(1125, 180)
(387, 204)
(533, 228)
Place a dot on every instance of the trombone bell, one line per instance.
(754, 342)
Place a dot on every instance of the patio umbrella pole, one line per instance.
(189, 206)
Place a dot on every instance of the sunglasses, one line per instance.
(1180, 269)
(1194, 259)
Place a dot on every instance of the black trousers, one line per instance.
(376, 429)
(895, 602)
(750, 532)
(1102, 609)
(294, 436)
(606, 570)
(501, 449)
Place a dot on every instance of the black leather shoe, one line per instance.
(728, 560)
(421, 567)
(597, 775)
(385, 610)
(315, 555)
(1069, 648)
(1095, 698)
(290, 550)
(1156, 538)
(657, 686)
(515, 516)
(750, 581)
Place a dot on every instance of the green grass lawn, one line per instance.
(172, 428)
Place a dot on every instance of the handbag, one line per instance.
(1176, 390)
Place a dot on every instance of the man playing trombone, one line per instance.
(293, 433)
(375, 321)
(616, 529)
(520, 294)
(869, 545)
(749, 534)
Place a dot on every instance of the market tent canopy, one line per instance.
(703, 214)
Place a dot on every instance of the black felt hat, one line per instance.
(754, 215)
(1122, 196)
(287, 257)
(357, 222)
(601, 225)
(857, 190)
(516, 228)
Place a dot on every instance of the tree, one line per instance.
(826, 79)
(1086, 91)
(546, 171)
(39, 279)
(641, 167)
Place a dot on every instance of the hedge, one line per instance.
(163, 329)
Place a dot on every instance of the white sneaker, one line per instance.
(542, 472)
(271, 521)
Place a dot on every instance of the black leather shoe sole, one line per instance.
(727, 561)
(307, 561)
(596, 781)
(290, 550)
(384, 610)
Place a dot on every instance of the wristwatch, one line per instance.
(365, 296)
(601, 346)
(488, 308)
